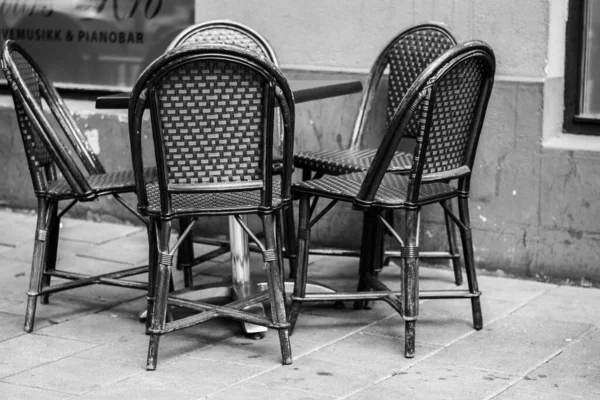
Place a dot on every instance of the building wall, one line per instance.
(533, 192)
(533, 189)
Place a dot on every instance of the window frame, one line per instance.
(572, 122)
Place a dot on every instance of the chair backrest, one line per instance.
(212, 112)
(44, 146)
(226, 32)
(405, 57)
(235, 34)
(453, 93)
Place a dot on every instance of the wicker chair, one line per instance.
(212, 112)
(406, 56)
(448, 101)
(47, 154)
(236, 34)
(226, 32)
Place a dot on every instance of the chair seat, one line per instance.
(337, 162)
(211, 203)
(112, 182)
(391, 194)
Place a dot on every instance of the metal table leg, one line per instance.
(240, 271)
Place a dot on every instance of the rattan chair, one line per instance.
(226, 32)
(212, 112)
(235, 34)
(405, 57)
(48, 139)
(447, 102)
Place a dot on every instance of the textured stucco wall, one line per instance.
(350, 33)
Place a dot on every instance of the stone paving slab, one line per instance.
(556, 381)
(258, 391)
(22, 228)
(73, 375)
(11, 391)
(194, 376)
(98, 232)
(540, 341)
(513, 344)
(442, 322)
(433, 380)
(373, 351)
(566, 303)
(30, 351)
(336, 379)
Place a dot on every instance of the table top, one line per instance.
(304, 90)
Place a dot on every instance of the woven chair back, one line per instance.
(404, 57)
(226, 32)
(450, 100)
(45, 147)
(37, 152)
(212, 109)
(235, 34)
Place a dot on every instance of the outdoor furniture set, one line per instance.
(222, 120)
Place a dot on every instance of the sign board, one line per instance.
(94, 44)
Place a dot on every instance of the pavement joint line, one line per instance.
(105, 259)
(576, 366)
(108, 384)
(50, 361)
(385, 378)
(539, 364)
(499, 317)
(301, 355)
(35, 387)
(442, 347)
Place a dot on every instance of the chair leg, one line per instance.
(452, 248)
(467, 241)
(389, 217)
(302, 264)
(410, 282)
(279, 238)
(185, 254)
(159, 310)
(276, 289)
(289, 236)
(38, 262)
(51, 248)
(152, 270)
(371, 254)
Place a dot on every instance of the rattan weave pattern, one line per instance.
(226, 36)
(113, 182)
(211, 202)
(406, 60)
(456, 98)
(392, 191)
(337, 162)
(37, 153)
(212, 120)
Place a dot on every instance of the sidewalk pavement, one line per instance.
(540, 341)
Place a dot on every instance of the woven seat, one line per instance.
(449, 100)
(100, 184)
(336, 162)
(391, 194)
(212, 109)
(48, 153)
(405, 57)
(210, 203)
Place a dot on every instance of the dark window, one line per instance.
(582, 68)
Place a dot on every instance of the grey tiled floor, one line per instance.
(540, 341)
